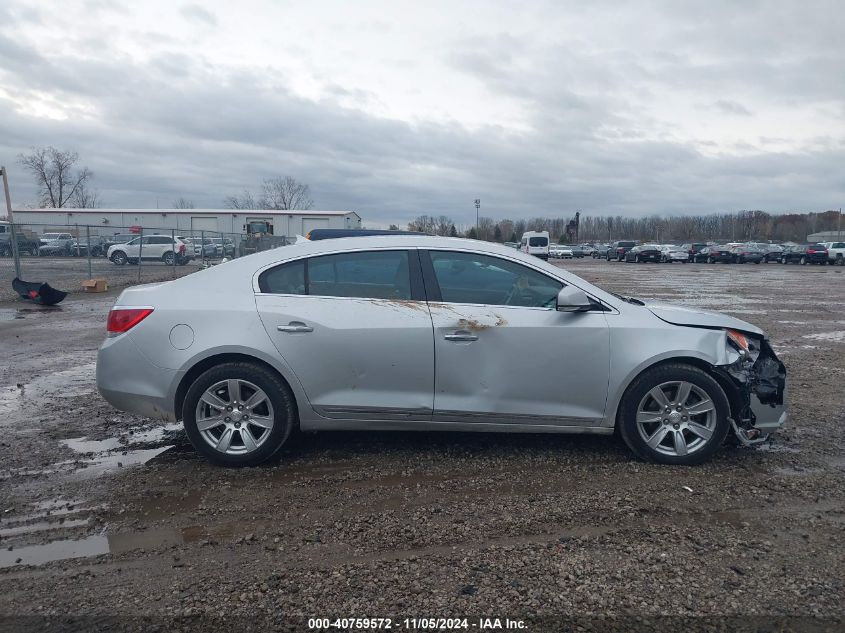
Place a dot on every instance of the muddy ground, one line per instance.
(109, 514)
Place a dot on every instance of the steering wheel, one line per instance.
(520, 286)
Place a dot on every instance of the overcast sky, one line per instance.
(399, 108)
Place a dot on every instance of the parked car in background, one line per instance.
(535, 243)
(560, 251)
(600, 251)
(424, 324)
(618, 249)
(97, 243)
(223, 247)
(745, 253)
(150, 247)
(771, 252)
(119, 238)
(512, 245)
(587, 249)
(804, 254)
(644, 253)
(715, 253)
(835, 253)
(669, 253)
(26, 245)
(61, 245)
(693, 249)
(47, 238)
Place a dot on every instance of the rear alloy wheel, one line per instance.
(119, 258)
(674, 414)
(169, 258)
(803, 261)
(783, 260)
(238, 414)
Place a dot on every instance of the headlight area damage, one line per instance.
(759, 387)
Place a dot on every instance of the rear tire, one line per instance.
(168, 258)
(248, 443)
(643, 419)
(803, 261)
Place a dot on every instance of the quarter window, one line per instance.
(287, 279)
(480, 279)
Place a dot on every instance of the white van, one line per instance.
(535, 243)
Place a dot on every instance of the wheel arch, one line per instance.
(208, 362)
(732, 392)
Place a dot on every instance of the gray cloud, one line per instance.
(199, 14)
(732, 107)
(176, 124)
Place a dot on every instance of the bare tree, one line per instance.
(281, 193)
(423, 224)
(86, 197)
(244, 201)
(183, 203)
(285, 193)
(57, 180)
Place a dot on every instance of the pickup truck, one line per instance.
(25, 244)
(835, 253)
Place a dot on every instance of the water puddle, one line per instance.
(834, 337)
(97, 457)
(41, 526)
(76, 381)
(118, 543)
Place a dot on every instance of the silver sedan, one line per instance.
(428, 333)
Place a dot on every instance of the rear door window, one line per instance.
(366, 275)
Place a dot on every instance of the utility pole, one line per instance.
(477, 208)
(14, 237)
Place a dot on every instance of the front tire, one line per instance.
(119, 258)
(674, 414)
(238, 414)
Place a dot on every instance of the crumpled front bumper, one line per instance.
(760, 382)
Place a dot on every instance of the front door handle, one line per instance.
(295, 326)
(461, 335)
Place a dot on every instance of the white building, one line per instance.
(111, 221)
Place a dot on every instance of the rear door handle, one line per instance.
(461, 335)
(295, 326)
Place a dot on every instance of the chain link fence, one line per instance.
(65, 255)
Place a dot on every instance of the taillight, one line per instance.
(124, 319)
(181, 248)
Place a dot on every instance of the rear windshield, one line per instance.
(627, 244)
(538, 241)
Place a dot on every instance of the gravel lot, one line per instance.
(110, 514)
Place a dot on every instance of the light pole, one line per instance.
(477, 208)
(11, 219)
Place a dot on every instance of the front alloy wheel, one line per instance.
(119, 258)
(674, 414)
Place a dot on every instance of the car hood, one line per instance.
(693, 317)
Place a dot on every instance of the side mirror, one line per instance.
(572, 299)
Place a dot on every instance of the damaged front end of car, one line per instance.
(758, 381)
